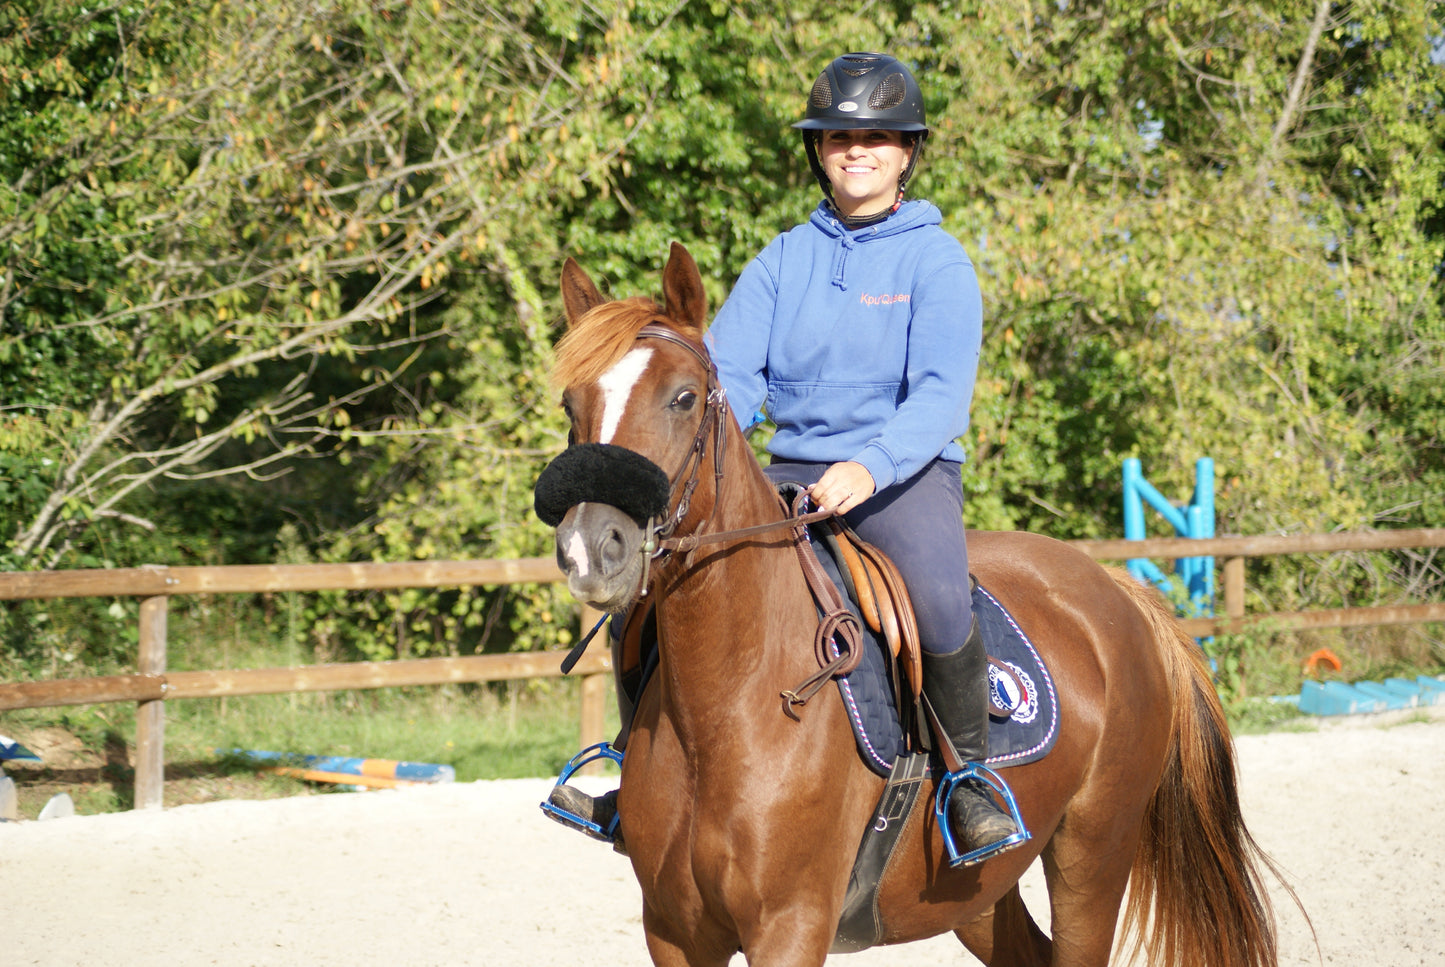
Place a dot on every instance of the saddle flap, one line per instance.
(887, 600)
(860, 579)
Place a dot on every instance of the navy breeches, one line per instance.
(919, 524)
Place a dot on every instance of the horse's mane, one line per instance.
(602, 336)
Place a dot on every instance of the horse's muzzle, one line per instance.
(601, 497)
(601, 550)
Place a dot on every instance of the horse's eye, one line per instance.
(571, 423)
(685, 400)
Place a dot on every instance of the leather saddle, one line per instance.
(877, 588)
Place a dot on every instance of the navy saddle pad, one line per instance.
(1025, 734)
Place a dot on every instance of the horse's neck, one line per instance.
(740, 607)
(747, 499)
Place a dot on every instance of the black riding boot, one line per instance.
(956, 686)
(598, 810)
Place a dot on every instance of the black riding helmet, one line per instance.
(864, 91)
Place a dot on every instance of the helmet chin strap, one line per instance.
(863, 221)
(916, 144)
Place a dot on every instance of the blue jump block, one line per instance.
(1406, 687)
(1337, 698)
(1427, 691)
(1394, 698)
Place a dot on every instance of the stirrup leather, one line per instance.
(593, 753)
(946, 787)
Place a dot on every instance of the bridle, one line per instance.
(714, 418)
(659, 540)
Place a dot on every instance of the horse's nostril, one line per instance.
(611, 549)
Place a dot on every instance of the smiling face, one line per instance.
(863, 167)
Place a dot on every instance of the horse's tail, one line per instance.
(1197, 894)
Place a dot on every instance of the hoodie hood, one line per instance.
(909, 216)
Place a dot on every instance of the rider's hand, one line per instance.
(842, 487)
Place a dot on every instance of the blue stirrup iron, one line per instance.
(946, 785)
(593, 753)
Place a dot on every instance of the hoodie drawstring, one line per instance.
(840, 264)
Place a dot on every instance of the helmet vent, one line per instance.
(889, 93)
(822, 96)
(856, 65)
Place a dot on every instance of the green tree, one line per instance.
(324, 240)
(228, 226)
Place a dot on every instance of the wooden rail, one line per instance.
(252, 578)
(1234, 550)
(152, 684)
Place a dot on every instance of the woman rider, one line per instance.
(859, 331)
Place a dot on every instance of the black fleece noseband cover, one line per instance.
(601, 473)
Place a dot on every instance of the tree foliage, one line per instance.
(295, 261)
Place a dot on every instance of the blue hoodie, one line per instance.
(861, 345)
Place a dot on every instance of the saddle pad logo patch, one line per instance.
(1015, 694)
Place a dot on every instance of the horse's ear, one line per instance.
(682, 293)
(578, 292)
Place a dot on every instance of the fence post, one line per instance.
(150, 720)
(1234, 587)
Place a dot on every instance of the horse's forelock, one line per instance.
(599, 339)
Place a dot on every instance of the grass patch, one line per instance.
(1259, 715)
(499, 731)
(1253, 670)
(504, 731)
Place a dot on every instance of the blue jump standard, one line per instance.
(1337, 698)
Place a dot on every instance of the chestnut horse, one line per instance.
(742, 822)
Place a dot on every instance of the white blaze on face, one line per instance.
(577, 553)
(616, 385)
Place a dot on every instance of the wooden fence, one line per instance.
(152, 684)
